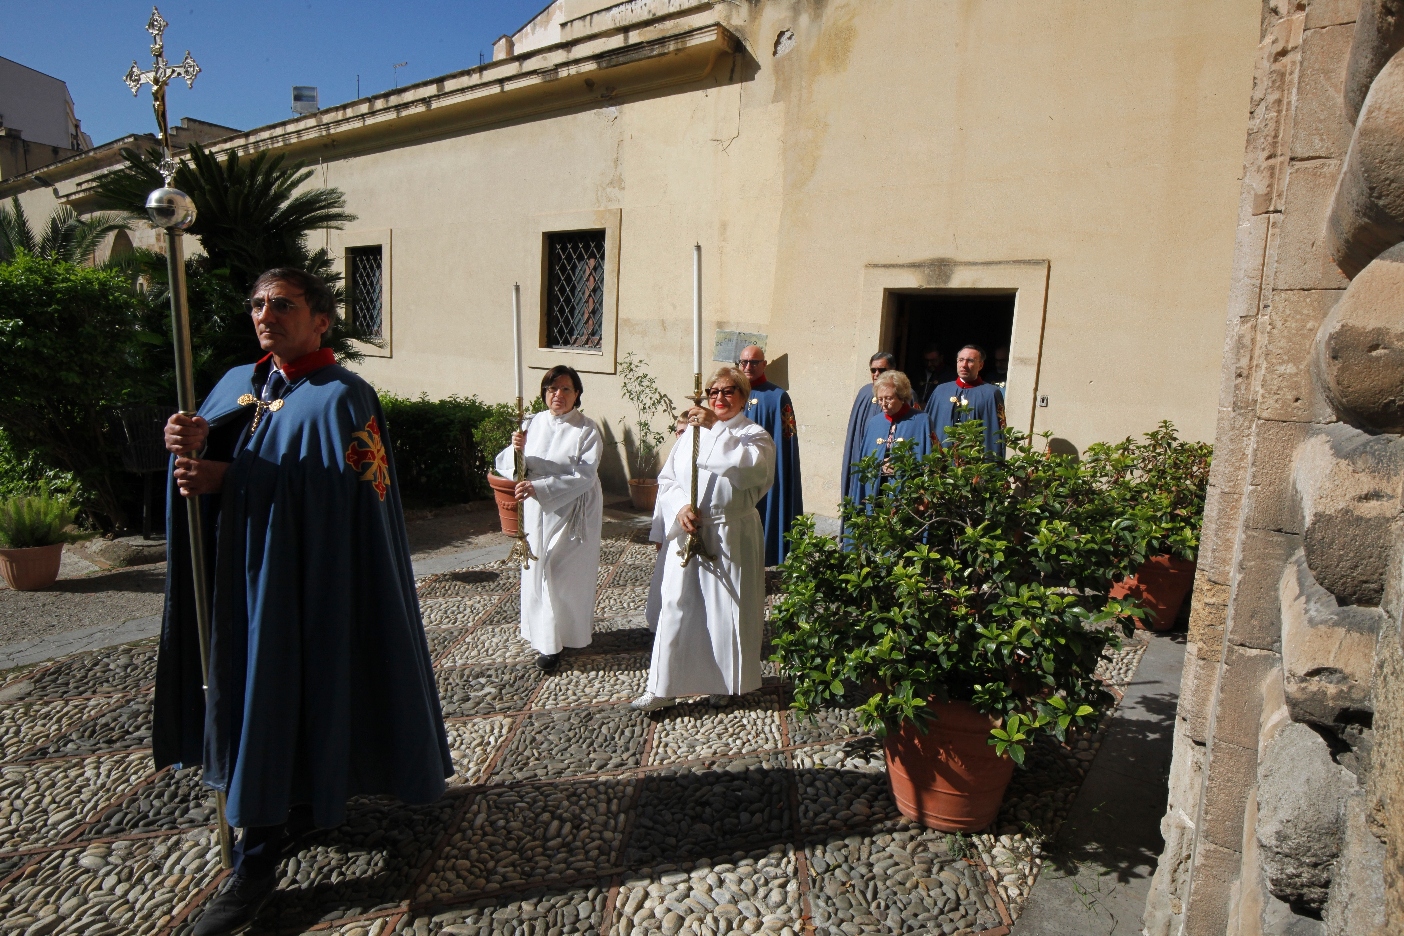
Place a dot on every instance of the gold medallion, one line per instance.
(248, 399)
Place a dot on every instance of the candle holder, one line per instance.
(521, 549)
(695, 546)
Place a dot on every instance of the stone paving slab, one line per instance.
(567, 811)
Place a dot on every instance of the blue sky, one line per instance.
(252, 52)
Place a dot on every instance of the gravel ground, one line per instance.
(77, 603)
(568, 812)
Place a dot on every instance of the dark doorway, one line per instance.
(947, 322)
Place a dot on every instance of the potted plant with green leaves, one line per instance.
(643, 441)
(1171, 477)
(964, 613)
(33, 531)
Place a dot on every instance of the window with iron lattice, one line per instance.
(575, 290)
(364, 293)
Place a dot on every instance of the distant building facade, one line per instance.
(884, 174)
(37, 122)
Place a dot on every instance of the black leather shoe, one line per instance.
(548, 663)
(235, 906)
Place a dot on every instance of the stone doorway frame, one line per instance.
(1027, 280)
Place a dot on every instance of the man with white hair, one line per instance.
(968, 397)
(769, 407)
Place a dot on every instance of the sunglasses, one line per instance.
(714, 392)
(879, 370)
(279, 304)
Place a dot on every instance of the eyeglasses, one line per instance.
(714, 392)
(279, 304)
(550, 390)
(745, 363)
(879, 370)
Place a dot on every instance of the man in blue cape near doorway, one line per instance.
(321, 685)
(865, 407)
(968, 397)
(769, 407)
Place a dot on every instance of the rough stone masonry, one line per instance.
(1286, 811)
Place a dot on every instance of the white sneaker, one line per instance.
(648, 702)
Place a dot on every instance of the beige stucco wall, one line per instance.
(1104, 138)
(1089, 151)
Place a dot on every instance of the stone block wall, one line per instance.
(1286, 812)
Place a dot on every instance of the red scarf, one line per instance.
(901, 414)
(296, 370)
(968, 386)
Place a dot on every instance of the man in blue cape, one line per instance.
(321, 685)
(968, 397)
(769, 407)
(865, 407)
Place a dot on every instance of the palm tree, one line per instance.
(67, 238)
(250, 216)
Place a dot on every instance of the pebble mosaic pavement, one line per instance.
(568, 812)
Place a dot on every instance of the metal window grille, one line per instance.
(366, 267)
(575, 290)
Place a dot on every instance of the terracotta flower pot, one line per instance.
(643, 492)
(949, 778)
(31, 569)
(1161, 586)
(504, 492)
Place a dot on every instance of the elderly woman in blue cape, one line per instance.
(710, 612)
(898, 421)
(561, 509)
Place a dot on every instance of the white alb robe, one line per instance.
(562, 524)
(711, 614)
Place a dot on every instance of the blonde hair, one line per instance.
(734, 375)
(896, 381)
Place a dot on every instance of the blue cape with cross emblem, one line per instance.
(321, 683)
(769, 407)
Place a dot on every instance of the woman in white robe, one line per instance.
(561, 508)
(711, 612)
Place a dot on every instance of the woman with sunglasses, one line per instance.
(897, 422)
(711, 611)
(561, 509)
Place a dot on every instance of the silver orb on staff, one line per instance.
(694, 545)
(173, 211)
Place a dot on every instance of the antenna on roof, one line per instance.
(397, 66)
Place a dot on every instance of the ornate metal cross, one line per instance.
(158, 77)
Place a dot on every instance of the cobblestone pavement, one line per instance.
(568, 812)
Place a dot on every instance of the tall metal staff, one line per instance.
(694, 545)
(173, 211)
(521, 549)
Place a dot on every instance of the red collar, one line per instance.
(901, 414)
(968, 386)
(308, 363)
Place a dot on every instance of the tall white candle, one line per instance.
(517, 337)
(697, 309)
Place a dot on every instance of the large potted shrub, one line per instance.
(33, 531)
(964, 613)
(643, 441)
(490, 436)
(1169, 477)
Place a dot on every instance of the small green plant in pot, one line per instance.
(643, 441)
(965, 612)
(33, 531)
(1169, 477)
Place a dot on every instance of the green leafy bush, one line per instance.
(23, 473)
(36, 520)
(643, 441)
(967, 578)
(1172, 476)
(494, 433)
(68, 357)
